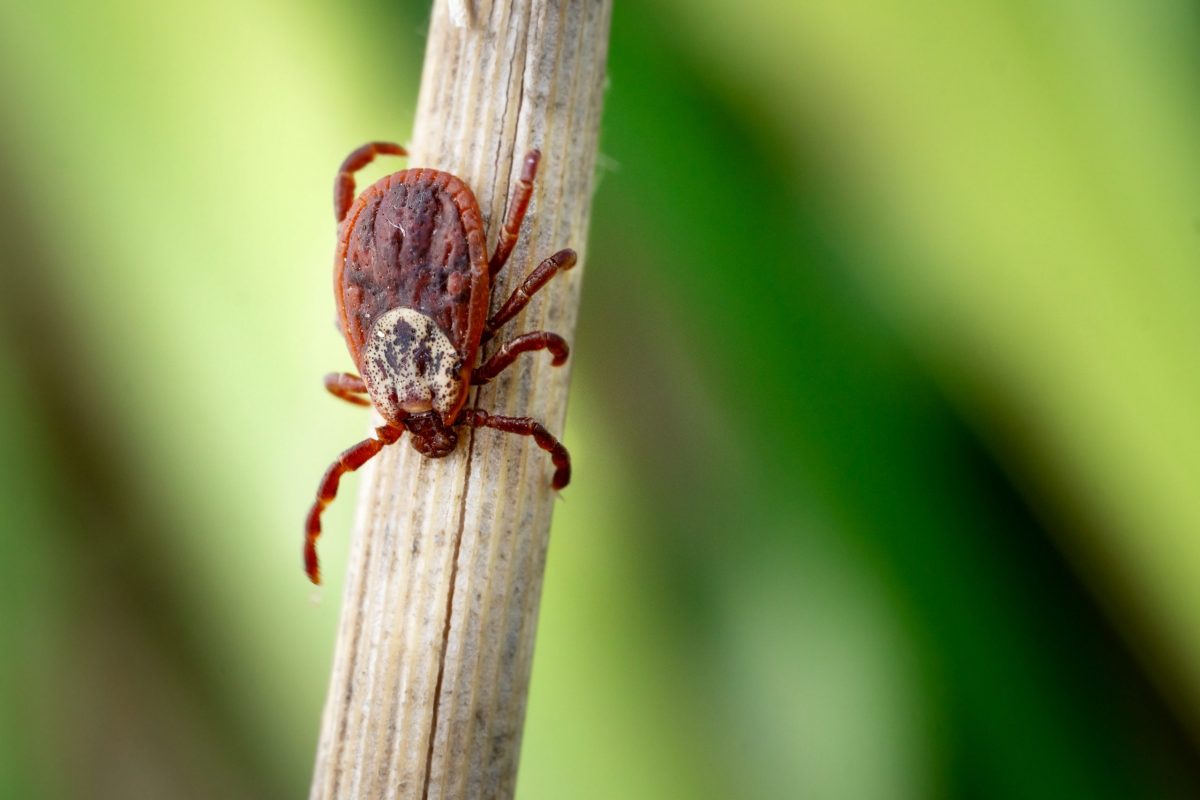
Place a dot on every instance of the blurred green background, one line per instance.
(885, 410)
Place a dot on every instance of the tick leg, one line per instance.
(516, 212)
(526, 427)
(343, 184)
(562, 260)
(348, 387)
(348, 461)
(525, 343)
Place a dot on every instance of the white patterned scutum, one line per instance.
(410, 365)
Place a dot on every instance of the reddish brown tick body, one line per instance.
(412, 282)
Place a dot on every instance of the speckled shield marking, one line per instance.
(410, 366)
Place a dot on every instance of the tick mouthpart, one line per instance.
(430, 436)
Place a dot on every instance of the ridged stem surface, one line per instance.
(431, 669)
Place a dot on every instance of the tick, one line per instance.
(412, 281)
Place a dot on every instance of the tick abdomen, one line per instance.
(416, 242)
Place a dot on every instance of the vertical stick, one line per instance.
(431, 669)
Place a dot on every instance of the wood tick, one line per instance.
(412, 281)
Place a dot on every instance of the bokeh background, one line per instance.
(885, 410)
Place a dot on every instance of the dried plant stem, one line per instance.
(427, 696)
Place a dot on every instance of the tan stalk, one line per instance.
(431, 669)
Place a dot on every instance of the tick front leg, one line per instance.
(348, 387)
(343, 184)
(562, 260)
(348, 461)
(525, 343)
(517, 207)
(526, 427)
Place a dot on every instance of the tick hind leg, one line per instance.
(525, 343)
(343, 184)
(348, 461)
(526, 427)
(517, 206)
(541, 275)
(348, 387)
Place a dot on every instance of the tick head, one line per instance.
(410, 367)
(430, 436)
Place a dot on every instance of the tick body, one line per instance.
(412, 281)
